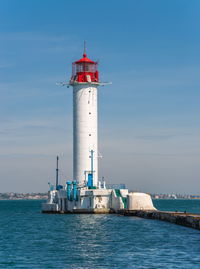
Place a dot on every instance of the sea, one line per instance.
(30, 239)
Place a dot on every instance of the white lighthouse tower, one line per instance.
(85, 81)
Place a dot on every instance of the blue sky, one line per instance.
(148, 118)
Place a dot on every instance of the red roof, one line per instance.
(85, 60)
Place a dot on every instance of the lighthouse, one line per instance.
(85, 194)
(85, 82)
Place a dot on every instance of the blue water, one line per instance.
(191, 206)
(30, 239)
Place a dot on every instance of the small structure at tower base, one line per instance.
(95, 201)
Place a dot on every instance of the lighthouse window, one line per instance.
(90, 113)
(79, 68)
(89, 134)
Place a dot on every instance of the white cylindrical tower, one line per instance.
(85, 122)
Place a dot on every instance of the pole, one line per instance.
(57, 172)
(92, 162)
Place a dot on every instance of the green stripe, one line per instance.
(118, 194)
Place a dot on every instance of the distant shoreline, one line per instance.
(24, 199)
(23, 196)
(44, 196)
(196, 198)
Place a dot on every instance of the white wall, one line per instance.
(85, 131)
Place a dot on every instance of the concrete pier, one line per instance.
(180, 218)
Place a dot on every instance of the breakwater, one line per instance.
(180, 218)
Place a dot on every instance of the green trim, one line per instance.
(92, 187)
(118, 194)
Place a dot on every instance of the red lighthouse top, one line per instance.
(84, 70)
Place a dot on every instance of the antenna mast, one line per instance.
(84, 52)
(57, 172)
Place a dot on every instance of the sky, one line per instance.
(149, 124)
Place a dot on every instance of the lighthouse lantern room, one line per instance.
(85, 70)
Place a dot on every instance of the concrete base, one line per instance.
(82, 211)
(96, 201)
(93, 211)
